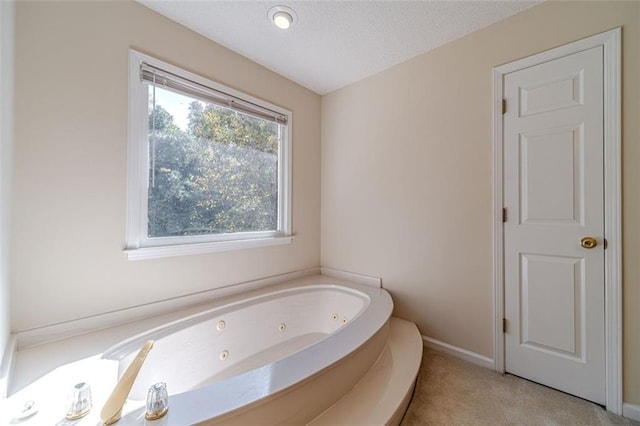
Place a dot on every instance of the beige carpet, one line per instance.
(455, 392)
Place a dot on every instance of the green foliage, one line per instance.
(229, 127)
(217, 176)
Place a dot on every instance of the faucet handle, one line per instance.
(157, 401)
(79, 401)
(112, 410)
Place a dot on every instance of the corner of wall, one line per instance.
(6, 365)
(354, 277)
(7, 18)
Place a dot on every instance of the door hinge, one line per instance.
(504, 106)
(606, 243)
(504, 214)
(504, 325)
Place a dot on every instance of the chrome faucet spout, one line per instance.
(112, 410)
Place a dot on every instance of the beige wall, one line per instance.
(407, 174)
(69, 199)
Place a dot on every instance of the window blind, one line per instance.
(160, 78)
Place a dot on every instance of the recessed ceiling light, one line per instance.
(282, 20)
(283, 17)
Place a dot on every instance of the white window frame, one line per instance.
(138, 245)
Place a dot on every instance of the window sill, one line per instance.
(201, 248)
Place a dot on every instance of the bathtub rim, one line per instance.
(130, 345)
(235, 393)
(364, 356)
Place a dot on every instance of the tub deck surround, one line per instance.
(272, 368)
(49, 393)
(383, 394)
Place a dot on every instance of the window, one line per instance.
(209, 167)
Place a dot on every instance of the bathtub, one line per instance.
(278, 356)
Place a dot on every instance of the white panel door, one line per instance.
(553, 181)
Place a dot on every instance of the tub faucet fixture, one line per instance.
(112, 409)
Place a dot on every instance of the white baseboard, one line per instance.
(631, 411)
(457, 352)
(6, 365)
(75, 327)
(352, 277)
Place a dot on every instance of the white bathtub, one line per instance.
(280, 356)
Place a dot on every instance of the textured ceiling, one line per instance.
(335, 43)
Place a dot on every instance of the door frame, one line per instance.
(611, 42)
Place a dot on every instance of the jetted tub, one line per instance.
(280, 356)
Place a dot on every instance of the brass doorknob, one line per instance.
(588, 242)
